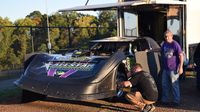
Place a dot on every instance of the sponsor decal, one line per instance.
(69, 58)
(65, 69)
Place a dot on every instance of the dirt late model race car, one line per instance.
(93, 74)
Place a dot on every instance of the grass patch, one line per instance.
(10, 74)
(6, 76)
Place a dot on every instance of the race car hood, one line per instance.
(64, 67)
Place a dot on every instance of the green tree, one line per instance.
(86, 31)
(6, 41)
(64, 21)
(23, 37)
(107, 20)
(73, 28)
(36, 17)
(39, 33)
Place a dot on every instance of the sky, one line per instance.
(18, 9)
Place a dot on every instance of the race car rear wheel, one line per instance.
(120, 78)
(28, 96)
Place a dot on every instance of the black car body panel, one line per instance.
(78, 76)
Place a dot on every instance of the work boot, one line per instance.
(149, 108)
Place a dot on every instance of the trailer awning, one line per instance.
(113, 6)
(102, 6)
(168, 2)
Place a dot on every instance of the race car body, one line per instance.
(83, 75)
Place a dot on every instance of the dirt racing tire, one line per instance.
(28, 96)
(120, 78)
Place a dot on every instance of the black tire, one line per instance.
(120, 78)
(28, 96)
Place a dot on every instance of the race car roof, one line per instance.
(110, 6)
(116, 39)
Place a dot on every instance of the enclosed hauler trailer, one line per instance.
(192, 27)
(153, 17)
(145, 18)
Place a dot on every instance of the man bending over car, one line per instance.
(143, 92)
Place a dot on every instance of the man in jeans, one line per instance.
(197, 64)
(172, 59)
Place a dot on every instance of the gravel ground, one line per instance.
(190, 102)
(190, 98)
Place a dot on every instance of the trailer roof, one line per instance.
(113, 6)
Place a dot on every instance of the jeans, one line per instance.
(170, 82)
(197, 69)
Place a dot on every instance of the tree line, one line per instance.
(66, 30)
